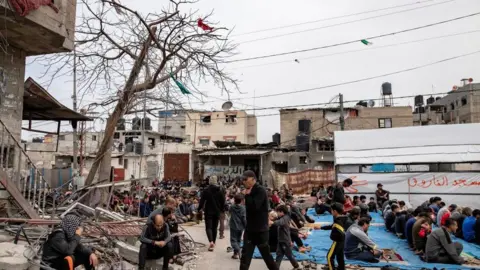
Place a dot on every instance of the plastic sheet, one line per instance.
(320, 242)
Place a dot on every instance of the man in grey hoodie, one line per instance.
(440, 248)
(238, 222)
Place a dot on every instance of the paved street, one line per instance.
(220, 259)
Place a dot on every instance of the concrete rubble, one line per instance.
(113, 236)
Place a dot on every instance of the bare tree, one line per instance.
(121, 53)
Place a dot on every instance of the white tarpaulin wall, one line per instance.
(416, 188)
(405, 145)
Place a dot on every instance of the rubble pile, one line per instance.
(113, 236)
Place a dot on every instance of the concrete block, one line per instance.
(130, 253)
(11, 256)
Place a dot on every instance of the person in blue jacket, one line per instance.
(471, 227)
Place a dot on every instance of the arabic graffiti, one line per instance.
(441, 182)
(223, 170)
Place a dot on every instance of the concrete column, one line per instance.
(12, 73)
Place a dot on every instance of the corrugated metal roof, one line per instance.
(252, 152)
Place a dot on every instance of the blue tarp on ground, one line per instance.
(320, 242)
(376, 217)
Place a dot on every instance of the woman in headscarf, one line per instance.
(63, 249)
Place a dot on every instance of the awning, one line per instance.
(39, 105)
(253, 152)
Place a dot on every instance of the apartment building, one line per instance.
(322, 122)
(204, 128)
(172, 123)
(306, 135)
(459, 106)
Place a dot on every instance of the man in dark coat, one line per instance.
(256, 233)
(213, 204)
(155, 239)
(63, 249)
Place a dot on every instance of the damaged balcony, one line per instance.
(47, 29)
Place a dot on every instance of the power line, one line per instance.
(344, 23)
(367, 78)
(357, 100)
(328, 103)
(354, 41)
(328, 19)
(333, 54)
(362, 50)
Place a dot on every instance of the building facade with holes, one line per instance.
(204, 128)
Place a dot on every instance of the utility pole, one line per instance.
(74, 126)
(162, 157)
(143, 133)
(342, 117)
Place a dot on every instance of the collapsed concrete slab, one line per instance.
(11, 256)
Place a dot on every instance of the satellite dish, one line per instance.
(227, 105)
(371, 103)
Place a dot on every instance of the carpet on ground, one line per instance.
(320, 242)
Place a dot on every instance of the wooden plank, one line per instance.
(17, 195)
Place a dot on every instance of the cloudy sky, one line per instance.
(271, 27)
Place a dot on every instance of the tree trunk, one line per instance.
(103, 154)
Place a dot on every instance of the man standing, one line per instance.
(156, 243)
(256, 233)
(338, 193)
(213, 203)
(382, 195)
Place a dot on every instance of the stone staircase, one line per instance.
(21, 179)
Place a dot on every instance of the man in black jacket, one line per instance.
(156, 243)
(212, 202)
(63, 249)
(256, 233)
(338, 193)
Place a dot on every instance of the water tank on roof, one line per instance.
(421, 109)
(129, 147)
(147, 123)
(276, 138)
(386, 88)
(416, 110)
(136, 123)
(362, 103)
(303, 143)
(304, 125)
(418, 100)
(430, 100)
(121, 124)
(138, 148)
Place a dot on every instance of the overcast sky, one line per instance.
(283, 74)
